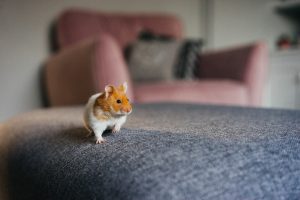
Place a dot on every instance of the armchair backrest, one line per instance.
(74, 25)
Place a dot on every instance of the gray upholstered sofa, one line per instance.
(165, 151)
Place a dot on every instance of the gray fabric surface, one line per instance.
(164, 151)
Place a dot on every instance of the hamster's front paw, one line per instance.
(116, 129)
(100, 141)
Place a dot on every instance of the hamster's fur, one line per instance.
(107, 110)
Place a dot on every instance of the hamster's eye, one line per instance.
(119, 101)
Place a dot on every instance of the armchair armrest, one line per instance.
(247, 64)
(81, 70)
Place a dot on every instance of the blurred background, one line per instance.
(25, 40)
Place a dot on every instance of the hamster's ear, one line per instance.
(123, 87)
(108, 90)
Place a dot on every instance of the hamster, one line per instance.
(107, 111)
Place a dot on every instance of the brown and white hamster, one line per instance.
(107, 111)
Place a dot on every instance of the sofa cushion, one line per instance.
(151, 61)
(164, 151)
(163, 59)
(200, 91)
(78, 72)
(155, 57)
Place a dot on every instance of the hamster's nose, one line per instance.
(126, 110)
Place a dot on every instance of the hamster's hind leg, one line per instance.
(89, 130)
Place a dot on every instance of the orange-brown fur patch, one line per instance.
(101, 104)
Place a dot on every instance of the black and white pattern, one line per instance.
(161, 58)
(187, 66)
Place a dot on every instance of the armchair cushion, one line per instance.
(228, 64)
(64, 70)
(200, 91)
(247, 64)
(81, 70)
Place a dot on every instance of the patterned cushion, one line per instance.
(186, 67)
(153, 60)
(161, 58)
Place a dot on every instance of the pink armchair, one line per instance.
(91, 56)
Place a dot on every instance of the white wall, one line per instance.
(24, 40)
(242, 21)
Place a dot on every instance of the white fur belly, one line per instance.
(113, 122)
(95, 124)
